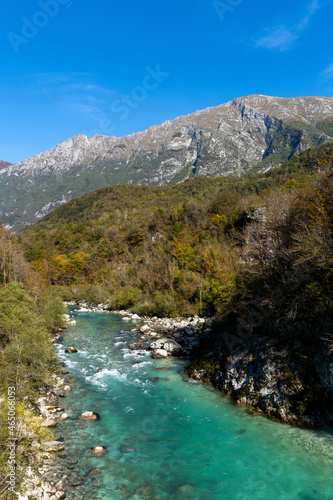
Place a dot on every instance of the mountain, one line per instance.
(4, 164)
(247, 132)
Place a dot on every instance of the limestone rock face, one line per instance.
(217, 141)
(270, 378)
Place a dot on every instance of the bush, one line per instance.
(126, 299)
(27, 354)
(53, 309)
(164, 305)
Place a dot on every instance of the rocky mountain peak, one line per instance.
(228, 139)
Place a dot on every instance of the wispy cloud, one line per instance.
(73, 91)
(328, 72)
(282, 37)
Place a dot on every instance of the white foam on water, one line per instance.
(119, 342)
(114, 373)
(69, 363)
(141, 365)
(135, 354)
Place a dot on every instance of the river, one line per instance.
(168, 438)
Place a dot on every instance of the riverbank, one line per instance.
(173, 337)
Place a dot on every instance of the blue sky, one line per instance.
(76, 66)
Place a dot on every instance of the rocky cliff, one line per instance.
(228, 139)
(280, 381)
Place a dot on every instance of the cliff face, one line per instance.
(227, 139)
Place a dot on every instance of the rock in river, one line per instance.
(89, 415)
(160, 353)
(70, 350)
(98, 450)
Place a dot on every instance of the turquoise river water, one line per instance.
(168, 438)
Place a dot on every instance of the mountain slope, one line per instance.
(4, 164)
(228, 139)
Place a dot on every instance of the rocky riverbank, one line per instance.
(48, 476)
(280, 380)
(43, 455)
(163, 336)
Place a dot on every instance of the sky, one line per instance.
(113, 68)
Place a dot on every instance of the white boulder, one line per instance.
(159, 354)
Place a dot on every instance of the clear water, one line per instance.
(171, 439)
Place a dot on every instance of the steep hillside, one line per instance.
(225, 140)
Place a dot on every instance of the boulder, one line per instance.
(66, 388)
(98, 450)
(49, 422)
(89, 415)
(70, 350)
(160, 353)
(53, 446)
(59, 382)
(64, 416)
(158, 344)
(59, 495)
(135, 316)
(145, 329)
(172, 347)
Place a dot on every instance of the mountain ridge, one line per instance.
(229, 139)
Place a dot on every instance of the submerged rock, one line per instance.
(95, 471)
(185, 491)
(127, 449)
